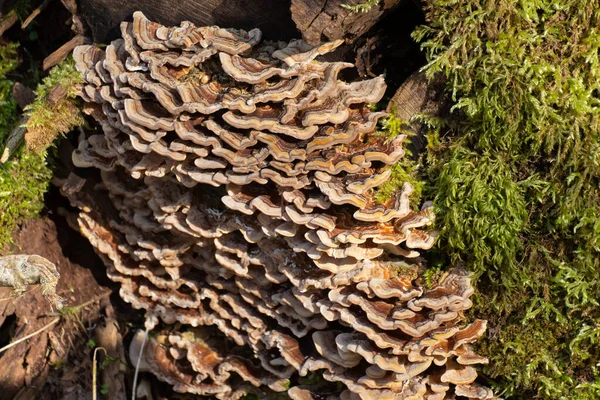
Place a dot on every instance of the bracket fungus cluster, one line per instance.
(228, 188)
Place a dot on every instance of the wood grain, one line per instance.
(325, 20)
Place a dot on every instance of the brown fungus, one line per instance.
(233, 193)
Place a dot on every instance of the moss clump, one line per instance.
(8, 106)
(55, 111)
(516, 180)
(23, 182)
(432, 276)
(361, 7)
(405, 170)
(24, 179)
(403, 270)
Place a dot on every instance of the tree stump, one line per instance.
(326, 20)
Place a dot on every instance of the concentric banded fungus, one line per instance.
(235, 194)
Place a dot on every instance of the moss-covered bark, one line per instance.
(55, 110)
(24, 172)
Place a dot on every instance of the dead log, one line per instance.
(271, 16)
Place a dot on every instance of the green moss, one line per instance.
(313, 378)
(479, 207)
(8, 106)
(403, 270)
(405, 170)
(516, 180)
(361, 7)
(266, 394)
(55, 110)
(402, 172)
(23, 182)
(432, 276)
(24, 179)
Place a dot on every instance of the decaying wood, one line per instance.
(24, 338)
(365, 57)
(20, 270)
(76, 24)
(271, 16)
(326, 20)
(57, 94)
(70, 5)
(418, 95)
(22, 95)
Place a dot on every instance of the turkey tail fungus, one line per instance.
(229, 191)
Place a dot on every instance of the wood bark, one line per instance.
(271, 16)
(418, 95)
(314, 20)
(326, 20)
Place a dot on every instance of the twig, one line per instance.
(94, 371)
(55, 320)
(14, 297)
(95, 299)
(74, 309)
(15, 139)
(137, 365)
(34, 14)
(63, 51)
(7, 21)
(72, 312)
(48, 325)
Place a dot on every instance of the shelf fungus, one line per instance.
(229, 189)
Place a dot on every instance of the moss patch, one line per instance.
(24, 179)
(405, 170)
(516, 179)
(55, 110)
(361, 7)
